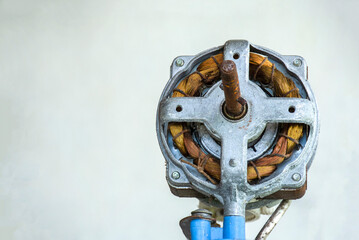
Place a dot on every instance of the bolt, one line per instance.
(231, 88)
(175, 175)
(296, 177)
(179, 62)
(202, 213)
(297, 62)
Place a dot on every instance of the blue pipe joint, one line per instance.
(234, 227)
(200, 229)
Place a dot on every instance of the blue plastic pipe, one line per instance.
(200, 229)
(234, 227)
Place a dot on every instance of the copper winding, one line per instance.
(256, 169)
(261, 70)
(180, 91)
(259, 67)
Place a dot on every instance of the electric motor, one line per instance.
(238, 127)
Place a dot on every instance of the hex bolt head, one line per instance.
(179, 62)
(297, 62)
(175, 175)
(296, 177)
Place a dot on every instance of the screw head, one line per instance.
(232, 163)
(179, 62)
(297, 62)
(296, 177)
(175, 175)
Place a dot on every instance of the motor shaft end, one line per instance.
(232, 107)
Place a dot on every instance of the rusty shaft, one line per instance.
(231, 89)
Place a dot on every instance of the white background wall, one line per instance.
(79, 161)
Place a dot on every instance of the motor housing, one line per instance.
(237, 142)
